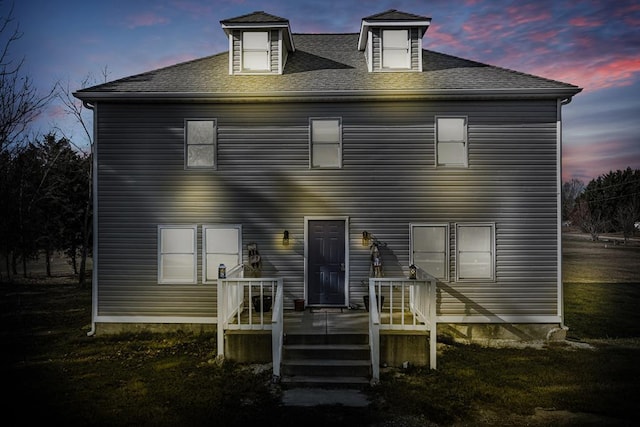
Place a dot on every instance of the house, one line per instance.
(337, 159)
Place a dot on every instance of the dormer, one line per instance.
(392, 41)
(259, 43)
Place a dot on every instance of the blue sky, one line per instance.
(590, 43)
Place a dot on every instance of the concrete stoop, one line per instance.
(326, 360)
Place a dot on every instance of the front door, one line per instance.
(326, 262)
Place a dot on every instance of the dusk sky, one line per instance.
(591, 44)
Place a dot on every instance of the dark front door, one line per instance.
(326, 266)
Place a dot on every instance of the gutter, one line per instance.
(333, 95)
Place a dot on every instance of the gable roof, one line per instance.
(259, 20)
(395, 15)
(255, 17)
(329, 67)
(392, 18)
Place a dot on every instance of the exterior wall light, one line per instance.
(413, 272)
(366, 238)
(285, 238)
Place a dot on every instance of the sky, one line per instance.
(594, 44)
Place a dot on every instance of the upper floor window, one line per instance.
(177, 254)
(326, 143)
(395, 49)
(255, 51)
(200, 143)
(475, 251)
(451, 141)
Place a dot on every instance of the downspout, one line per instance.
(560, 103)
(94, 194)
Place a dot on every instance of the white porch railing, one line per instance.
(399, 303)
(237, 309)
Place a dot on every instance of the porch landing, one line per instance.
(326, 321)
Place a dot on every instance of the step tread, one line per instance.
(326, 346)
(326, 362)
(305, 379)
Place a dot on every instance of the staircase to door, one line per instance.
(326, 347)
(326, 360)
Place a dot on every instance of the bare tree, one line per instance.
(570, 192)
(78, 110)
(20, 102)
(589, 221)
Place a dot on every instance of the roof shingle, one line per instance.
(325, 64)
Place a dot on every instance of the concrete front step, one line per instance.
(327, 339)
(328, 351)
(326, 367)
(322, 360)
(321, 381)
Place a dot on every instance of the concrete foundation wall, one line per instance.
(502, 333)
(118, 328)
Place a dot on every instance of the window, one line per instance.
(221, 245)
(475, 251)
(200, 144)
(326, 143)
(451, 141)
(255, 51)
(177, 254)
(395, 49)
(430, 249)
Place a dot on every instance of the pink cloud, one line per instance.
(588, 161)
(592, 75)
(583, 22)
(145, 19)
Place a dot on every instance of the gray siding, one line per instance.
(388, 181)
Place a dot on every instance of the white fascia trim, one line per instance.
(498, 319)
(155, 319)
(230, 34)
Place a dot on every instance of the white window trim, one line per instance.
(194, 228)
(382, 49)
(447, 260)
(465, 142)
(204, 248)
(242, 50)
(311, 143)
(492, 225)
(186, 143)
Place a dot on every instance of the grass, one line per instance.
(52, 372)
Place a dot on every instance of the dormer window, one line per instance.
(392, 41)
(255, 51)
(259, 43)
(395, 49)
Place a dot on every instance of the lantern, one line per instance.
(413, 272)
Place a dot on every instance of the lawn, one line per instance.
(52, 372)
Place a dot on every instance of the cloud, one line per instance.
(145, 19)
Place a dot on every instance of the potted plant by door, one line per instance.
(262, 306)
(366, 302)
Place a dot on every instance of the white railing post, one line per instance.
(221, 317)
(277, 329)
(432, 324)
(374, 332)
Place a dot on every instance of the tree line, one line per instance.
(45, 207)
(608, 204)
(45, 181)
